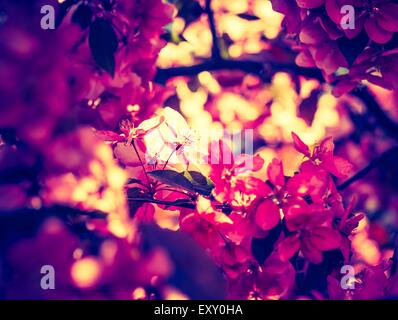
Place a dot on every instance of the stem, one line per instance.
(168, 159)
(142, 165)
(173, 190)
(389, 126)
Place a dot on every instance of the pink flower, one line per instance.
(228, 171)
(312, 232)
(323, 157)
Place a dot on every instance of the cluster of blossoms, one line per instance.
(94, 70)
(98, 212)
(326, 42)
(268, 232)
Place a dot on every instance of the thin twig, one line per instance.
(247, 66)
(215, 49)
(264, 71)
(389, 126)
(142, 165)
(372, 165)
(164, 202)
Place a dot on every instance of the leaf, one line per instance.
(103, 44)
(248, 17)
(195, 273)
(309, 106)
(82, 16)
(136, 192)
(300, 146)
(172, 178)
(201, 184)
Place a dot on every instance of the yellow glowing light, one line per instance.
(116, 177)
(178, 25)
(167, 219)
(234, 26)
(231, 105)
(235, 50)
(86, 272)
(209, 82)
(117, 228)
(133, 108)
(199, 37)
(233, 6)
(139, 293)
(171, 293)
(176, 54)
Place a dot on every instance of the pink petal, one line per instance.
(343, 167)
(310, 4)
(312, 253)
(288, 247)
(312, 33)
(388, 17)
(304, 59)
(376, 33)
(275, 173)
(325, 238)
(267, 215)
(300, 145)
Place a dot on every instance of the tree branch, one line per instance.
(372, 165)
(215, 49)
(190, 205)
(251, 67)
(389, 126)
(264, 71)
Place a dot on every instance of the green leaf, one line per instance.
(201, 184)
(103, 44)
(172, 178)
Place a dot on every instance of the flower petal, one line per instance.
(267, 214)
(325, 238)
(275, 173)
(300, 145)
(376, 33)
(288, 247)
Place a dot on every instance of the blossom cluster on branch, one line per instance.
(346, 55)
(131, 189)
